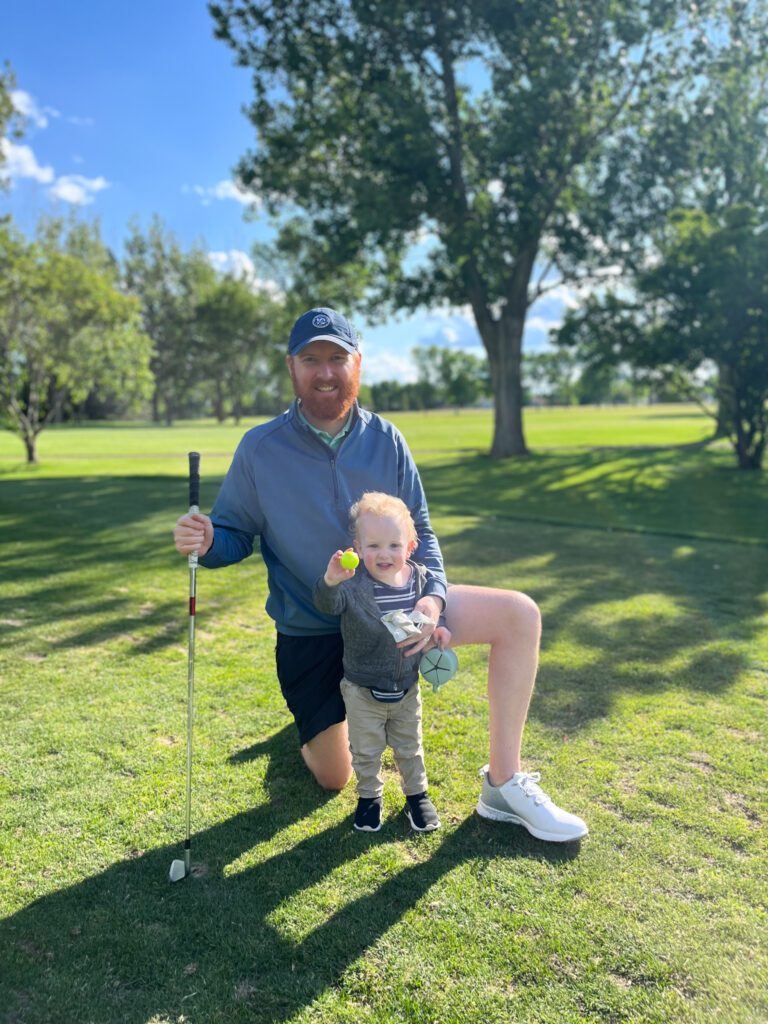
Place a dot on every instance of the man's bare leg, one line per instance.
(510, 622)
(328, 758)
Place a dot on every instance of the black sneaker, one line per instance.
(368, 814)
(421, 813)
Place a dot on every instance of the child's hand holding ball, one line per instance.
(341, 567)
(349, 559)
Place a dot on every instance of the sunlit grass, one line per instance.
(648, 719)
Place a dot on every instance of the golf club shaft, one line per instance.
(194, 506)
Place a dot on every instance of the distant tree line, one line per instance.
(445, 377)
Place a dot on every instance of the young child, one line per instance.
(380, 685)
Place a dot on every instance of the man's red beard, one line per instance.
(329, 406)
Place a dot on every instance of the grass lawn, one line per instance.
(648, 553)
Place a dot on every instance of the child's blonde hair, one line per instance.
(379, 504)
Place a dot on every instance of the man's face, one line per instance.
(326, 378)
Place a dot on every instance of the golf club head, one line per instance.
(178, 871)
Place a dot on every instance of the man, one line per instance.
(291, 483)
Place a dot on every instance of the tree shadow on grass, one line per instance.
(643, 614)
(237, 943)
(77, 552)
(117, 531)
(681, 491)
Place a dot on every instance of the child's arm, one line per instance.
(327, 595)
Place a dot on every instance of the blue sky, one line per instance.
(135, 109)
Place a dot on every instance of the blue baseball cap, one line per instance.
(322, 324)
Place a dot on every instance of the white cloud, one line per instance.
(570, 296)
(21, 162)
(29, 108)
(543, 323)
(496, 189)
(235, 262)
(225, 189)
(453, 326)
(378, 366)
(240, 265)
(74, 188)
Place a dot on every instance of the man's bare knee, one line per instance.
(327, 757)
(331, 779)
(527, 613)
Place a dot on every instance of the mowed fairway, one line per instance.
(648, 554)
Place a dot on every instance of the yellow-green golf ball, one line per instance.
(349, 560)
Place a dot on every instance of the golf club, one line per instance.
(181, 868)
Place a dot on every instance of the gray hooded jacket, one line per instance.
(371, 657)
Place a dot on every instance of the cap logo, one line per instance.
(321, 320)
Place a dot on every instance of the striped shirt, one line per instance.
(394, 599)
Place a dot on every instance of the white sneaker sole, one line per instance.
(415, 827)
(551, 837)
(366, 828)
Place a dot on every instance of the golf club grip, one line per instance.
(194, 479)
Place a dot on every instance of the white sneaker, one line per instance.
(521, 800)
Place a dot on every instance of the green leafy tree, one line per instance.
(65, 331)
(729, 140)
(169, 284)
(723, 182)
(498, 128)
(709, 297)
(7, 116)
(704, 302)
(551, 375)
(239, 333)
(451, 376)
(387, 396)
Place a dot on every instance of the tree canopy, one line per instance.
(488, 135)
(168, 281)
(65, 330)
(698, 295)
(7, 115)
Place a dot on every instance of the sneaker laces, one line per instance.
(528, 782)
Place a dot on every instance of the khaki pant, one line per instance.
(374, 725)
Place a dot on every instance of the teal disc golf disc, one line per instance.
(438, 666)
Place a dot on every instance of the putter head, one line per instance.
(178, 871)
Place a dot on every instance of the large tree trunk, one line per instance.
(30, 444)
(726, 402)
(749, 424)
(503, 341)
(504, 347)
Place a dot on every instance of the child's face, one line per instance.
(383, 545)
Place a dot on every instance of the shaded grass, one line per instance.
(682, 492)
(648, 719)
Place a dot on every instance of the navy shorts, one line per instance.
(309, 669)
